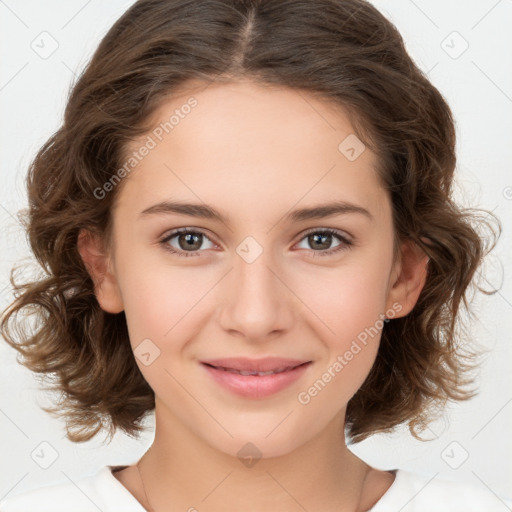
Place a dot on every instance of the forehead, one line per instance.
(261, 144)
(245, 111)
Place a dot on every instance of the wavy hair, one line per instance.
(343, 51)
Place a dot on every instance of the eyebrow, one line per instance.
(207, 212)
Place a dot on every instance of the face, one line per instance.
(261, 280)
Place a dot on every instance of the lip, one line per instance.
(256, 386)
(255, 365)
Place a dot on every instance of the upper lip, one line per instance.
(266, 364)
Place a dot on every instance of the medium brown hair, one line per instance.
(343, 51)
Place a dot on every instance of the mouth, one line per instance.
(256, 373)
(255, 383)
(262, 366)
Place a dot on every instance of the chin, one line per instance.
(251, 448)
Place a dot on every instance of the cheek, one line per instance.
(350, 298)
(351, 307)
(350, 302)
(161, 302)
(161, 317)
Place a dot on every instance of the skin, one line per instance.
(254, 153)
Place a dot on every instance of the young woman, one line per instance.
(247, 227)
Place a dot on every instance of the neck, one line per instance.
(183, 471)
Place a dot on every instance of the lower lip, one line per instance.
(256, 386)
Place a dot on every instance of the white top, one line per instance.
(410, 492)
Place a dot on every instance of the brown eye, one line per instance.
(187, 242)
(320, 241)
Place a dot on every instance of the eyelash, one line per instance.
(346, 244)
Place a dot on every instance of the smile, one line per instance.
(253, 384)
(247, 372)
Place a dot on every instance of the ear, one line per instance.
(408, 278)
(99, 266)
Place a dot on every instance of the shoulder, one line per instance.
(100, 491)
(415, 492)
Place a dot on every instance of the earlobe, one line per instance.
(98, 264)
(410, 279)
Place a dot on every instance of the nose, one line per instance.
(257, 302)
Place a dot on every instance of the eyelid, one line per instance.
(188, 229)
(338, 232)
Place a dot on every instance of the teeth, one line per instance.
(244, 372)
(241, 372)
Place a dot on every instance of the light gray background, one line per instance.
(477, 84)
